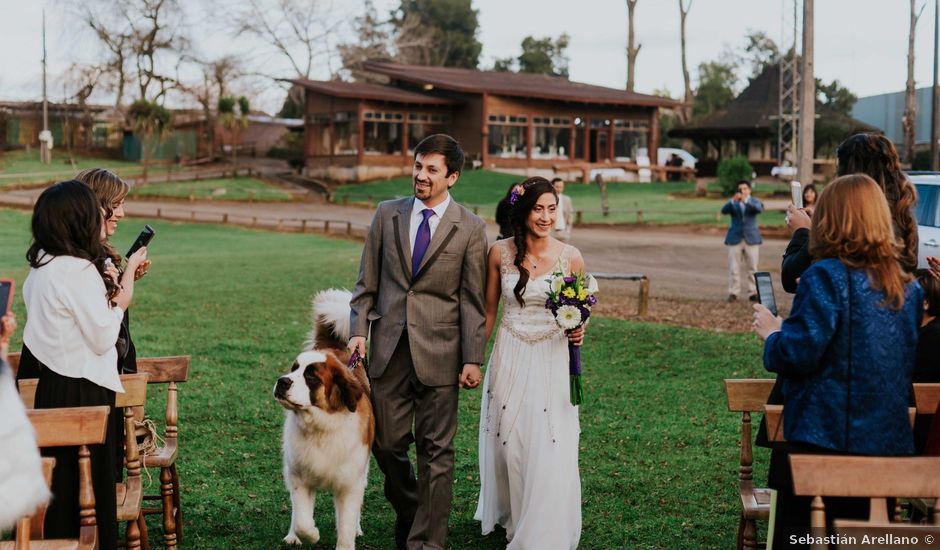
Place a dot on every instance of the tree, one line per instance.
(151, 121)
(372, 42)
(716, 87)
(760, 52)
(539, 56)
(632, 47)
(452, 25)
(909, 122)
(297, 31)
(233, 113)
(834, 107)
(685, 113)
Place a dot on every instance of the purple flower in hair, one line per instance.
(517, 192)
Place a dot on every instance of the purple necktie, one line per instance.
(422, 240)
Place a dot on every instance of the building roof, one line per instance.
(365, 90)
(514, 84)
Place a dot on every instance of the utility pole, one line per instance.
(45, 137)
(935, 111)
(807, 98)
(788, 106)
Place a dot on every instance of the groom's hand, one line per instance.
(357, 343)
(470, 376)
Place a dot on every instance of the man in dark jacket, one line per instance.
(743, 239)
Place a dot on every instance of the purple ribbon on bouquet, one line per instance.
(574, 374)
(355, 359)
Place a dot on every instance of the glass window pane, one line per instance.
(382, 138)
(507, 141)
(550, 142)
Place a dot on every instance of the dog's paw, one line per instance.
(299, 537)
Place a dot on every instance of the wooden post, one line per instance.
(326, 226)
(158, 213)
(642, 305)
(578, 215)
(807, 98)
(225, 218)
(254, 221)
(349, 228)
(193, 215)
(639, 216)
(303, 226)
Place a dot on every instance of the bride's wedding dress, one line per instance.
(529, 430)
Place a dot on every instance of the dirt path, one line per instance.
(687, 266)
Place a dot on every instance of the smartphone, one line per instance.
(796, 193)
(765, 291)
(146, 234)
(6, 295)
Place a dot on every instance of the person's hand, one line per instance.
(576, 336)
(738, 197)
(934, 264)
(357, 343)
(765, 323)
(141, 270)
(7, 327)
(470, 376)
(798, 218)
(136, 260)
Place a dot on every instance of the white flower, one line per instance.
(591, 285)
(557, 281)
(568, 317)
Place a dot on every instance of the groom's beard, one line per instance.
(422, 189)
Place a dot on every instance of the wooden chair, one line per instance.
(66, 427)
(170, 371)
(926, 397)
(129, 492)
(748, 396)
(821, 476)
(773, 414)
(14, 361)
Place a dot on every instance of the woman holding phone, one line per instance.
(110, 191)
(75, 303)
(845, 355)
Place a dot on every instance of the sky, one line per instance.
(860, 43)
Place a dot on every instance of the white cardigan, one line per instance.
(70, 326)
(21, 481)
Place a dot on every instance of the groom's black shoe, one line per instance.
(402, 528)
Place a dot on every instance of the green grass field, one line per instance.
(227, 189)
(658, 458)
(661, 203)
(22, 162)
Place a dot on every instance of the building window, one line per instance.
(629, 135)
(579, 138)
(509, 136)
(422, 125)
(318, 128)
(551, 137)
(383, 133)
(346, 133)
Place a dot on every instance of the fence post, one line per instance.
(642, 305)
(577, 217)
(158, 214)
(193, 215)
(303, 226)
(254, 221)
(225, 218)
(349, 228)
(326, 226)
(639, 216)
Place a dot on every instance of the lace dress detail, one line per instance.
(535, 323)
(529, 430)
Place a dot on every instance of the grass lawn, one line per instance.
(658, 459)
(227, 189)
(661, 203)
(23, 162)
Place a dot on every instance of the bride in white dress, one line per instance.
(529, 430)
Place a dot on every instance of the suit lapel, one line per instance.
(402, 222)
(442, 235)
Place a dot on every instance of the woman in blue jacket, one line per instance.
(847, 351)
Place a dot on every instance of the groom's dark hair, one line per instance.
(445, 145)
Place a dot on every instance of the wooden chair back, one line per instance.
(68, 427)
(170, 370)
(821, 476)
(13, 359)
(926, 397)
(135, 391)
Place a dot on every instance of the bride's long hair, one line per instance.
(532, 189)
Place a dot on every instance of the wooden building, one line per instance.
(525, 123)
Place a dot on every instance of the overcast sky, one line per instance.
(861, 43)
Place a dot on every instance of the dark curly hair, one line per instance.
(67, 221)
(519, 214)
(875, 156)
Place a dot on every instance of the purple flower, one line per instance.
(570, 280)
(591, 300)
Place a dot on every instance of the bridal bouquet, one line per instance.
(570, 300)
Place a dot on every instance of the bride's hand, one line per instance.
(576, 336)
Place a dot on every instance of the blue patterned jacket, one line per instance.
(857, 406)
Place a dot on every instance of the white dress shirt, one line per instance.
(560, 222)
(70, 326)
(434, 221)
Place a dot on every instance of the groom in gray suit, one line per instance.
(420, 290)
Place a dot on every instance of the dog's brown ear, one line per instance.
(346, 391)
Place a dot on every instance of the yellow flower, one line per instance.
(568, 293)
(582, 294)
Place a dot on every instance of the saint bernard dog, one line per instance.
(329, 425)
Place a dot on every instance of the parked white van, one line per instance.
(928, 214)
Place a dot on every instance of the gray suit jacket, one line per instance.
(441, 308)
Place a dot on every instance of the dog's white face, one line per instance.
(317, 380)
